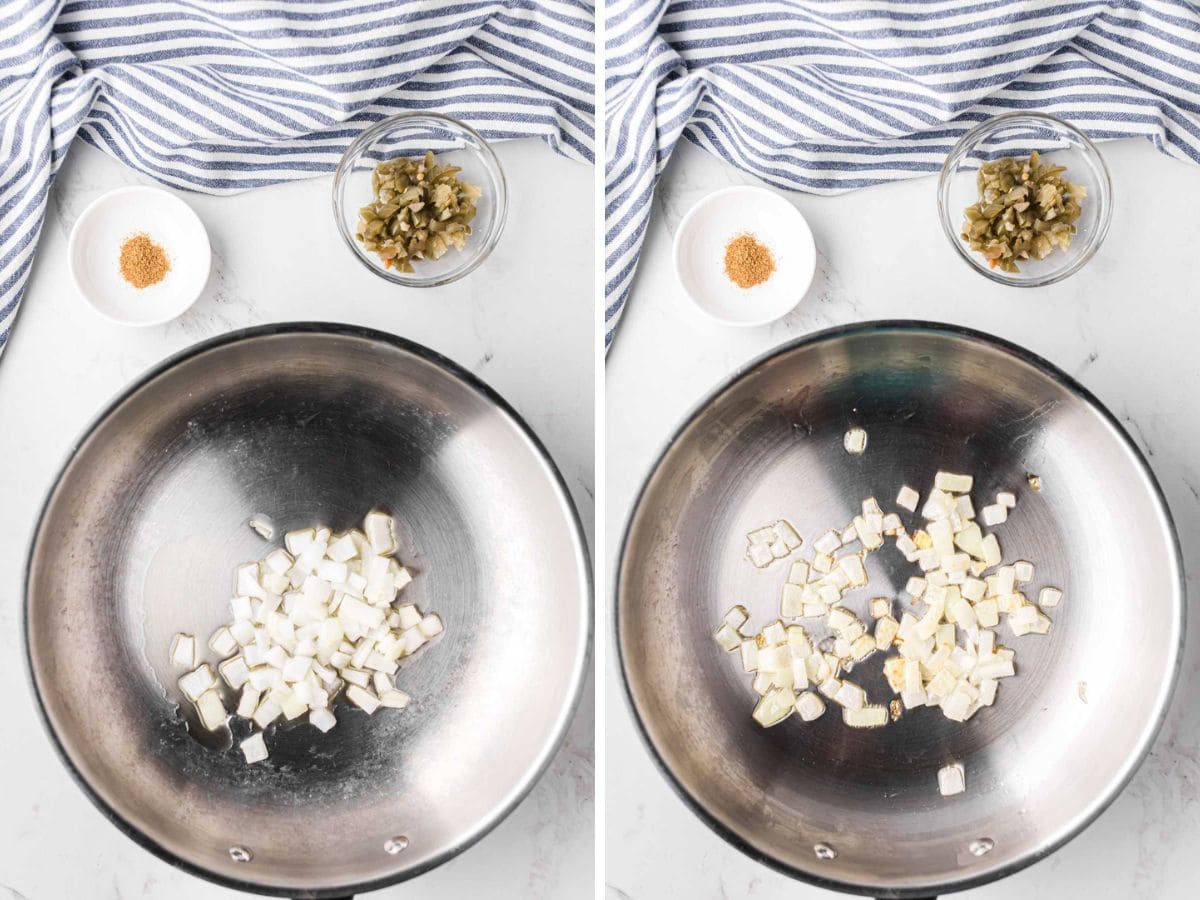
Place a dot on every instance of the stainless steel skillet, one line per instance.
(308, 423)
(1064, 736)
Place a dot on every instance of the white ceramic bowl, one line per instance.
(700, 255)
(94, 251)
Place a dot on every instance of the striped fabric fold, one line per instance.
(221, 96)
(825, 96)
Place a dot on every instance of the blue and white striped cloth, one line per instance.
(825, 96)
(224, 95)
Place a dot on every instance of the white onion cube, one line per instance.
(413, 640)
(952, 780)
(222, 642)
(268, 711)
(865, 717)
(362, 698)
(953, 483)
(242, 609)
(322, 719)
(263, 525)
(381, 533)
(342, 549)
(196, 682)
(292, 706)
(235, 672)
(394, 699)
(991, 550)
(183, 650)
(995, 514)
(828, 542)
(279, 561)
(1049, 597)
(297, 668)
(299, 540)
(727, 637)
(431, 625)
(212, 711)
(850, 696)
(775, 706)
(254, 748)
(855, 440)
(810, 706)
(246, 581)
(248, 702)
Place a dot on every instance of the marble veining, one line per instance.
(1126, 325)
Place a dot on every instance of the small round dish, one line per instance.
(94, 253)
(412, 134)
(723, 215)
(1018, 134)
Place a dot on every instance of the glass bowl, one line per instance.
(1018, 134)
(411, 134)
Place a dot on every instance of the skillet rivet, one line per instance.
(824, 851)
(240, 854)
(396, 844)
(981, 847)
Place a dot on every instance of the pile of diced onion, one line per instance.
(942, 652)
(312, 618)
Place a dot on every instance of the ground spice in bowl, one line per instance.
(747, 262)
(143, 262)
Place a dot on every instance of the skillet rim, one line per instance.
(584, 569)
(1057, 376)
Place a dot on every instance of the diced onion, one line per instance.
(771, 542)
(267, 713)
(995, 514)
(866, 717)
(952, 483)
(727, 637)
(947, 654)
(394, 699)
(197, 682)
(212, 711)
(222, 642)
(254, 748)
(855, 441)
(235, 672)
(183, 650)
(1049, 597)
(264, 526)
(248, 702)
(828, 542)
(908, 498)
(810, 706)
(775, 706)
(322, 719)
(952, 779)
(307, 621)
(850, 696)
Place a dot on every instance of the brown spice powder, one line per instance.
(143, 262)
(747, 262)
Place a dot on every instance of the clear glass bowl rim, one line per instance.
(368, 137)
(985, 129)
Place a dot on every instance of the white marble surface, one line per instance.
(525, 313)
(1126, 326)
